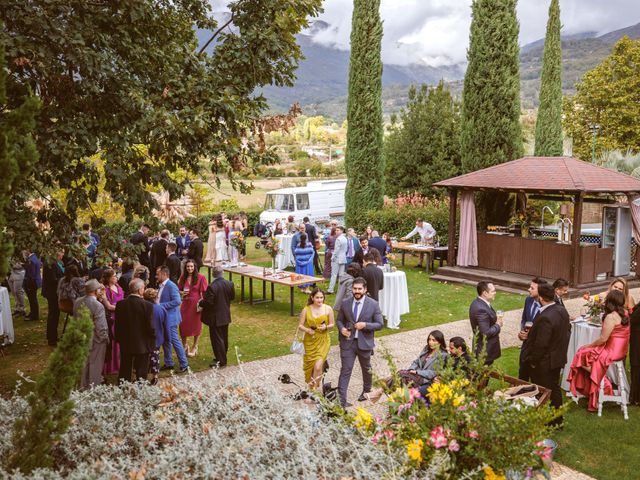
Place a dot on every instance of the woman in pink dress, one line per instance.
(192, 286)
(113, 293)
(589, 366)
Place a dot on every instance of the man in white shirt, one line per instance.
(426, 233)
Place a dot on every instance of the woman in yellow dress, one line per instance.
(316, 319)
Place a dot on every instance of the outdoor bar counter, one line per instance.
(542, 257)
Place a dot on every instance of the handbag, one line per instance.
(297, 346)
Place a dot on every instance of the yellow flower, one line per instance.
(596, 298)
(398, 395)
(489, 474)
(363, 418)
(440, 393)
(455, 384)
(414, 449)
(458, 400)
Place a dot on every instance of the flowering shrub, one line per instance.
(206, 427)
(413, 199)
(460, 427)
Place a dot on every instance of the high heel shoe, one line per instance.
(194, 351)
(187, 351)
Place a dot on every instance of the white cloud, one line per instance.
(436, 32)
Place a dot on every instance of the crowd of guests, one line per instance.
(158, 299)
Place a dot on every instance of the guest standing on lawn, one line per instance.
(173, 262)
(135, 332)
(192, 286)
(196, 248)
(329, 244)
(70, 288)
(52, 273)
(32, 283)
(485, 323)
(304, 260)
(316, 319)
(346, 281)
(216, 313)
(92, 372)
(169, 299)
(16, 282)
(113, 294)
(338, 258)
(590, 364)
(373, 275)
(159, 321)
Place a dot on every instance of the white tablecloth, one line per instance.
(582, 333)
(6, 325)
(394, 297)
(285, 256)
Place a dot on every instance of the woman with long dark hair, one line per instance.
(192, 286)
(316, 319)
(590, 364)
(304, 253)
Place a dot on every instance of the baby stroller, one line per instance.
(263, 232)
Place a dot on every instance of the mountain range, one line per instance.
(322, 77)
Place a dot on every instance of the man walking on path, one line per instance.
(338, 259)
(485, 323)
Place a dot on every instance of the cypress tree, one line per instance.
(364, 161)
(490, 122)
(18, 153)
(549, 121)
(51, 409)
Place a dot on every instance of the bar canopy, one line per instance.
(564, 175)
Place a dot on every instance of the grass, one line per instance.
(262, 330)
(602, 447)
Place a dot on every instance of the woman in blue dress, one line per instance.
(304, 260)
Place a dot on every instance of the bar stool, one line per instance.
(621, 394)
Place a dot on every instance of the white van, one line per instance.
(321, 200)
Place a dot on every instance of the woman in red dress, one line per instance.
(192, 286)
(590, 364)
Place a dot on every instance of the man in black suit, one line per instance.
(196, 248)
(561, 288)
(134, 332)
(379, 244)
(485, 323)
(173, 262)
(549, 339)
(312, 237)
(373, 276)
(358, 319)
(158, 254)
(216, 313)
(141, 238)
(529, 314)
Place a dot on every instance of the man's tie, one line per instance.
(535, 309)
(350, 248)
(355, 311)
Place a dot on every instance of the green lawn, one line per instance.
(265, 330)
(604, 447)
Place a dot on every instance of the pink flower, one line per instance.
(462, 408)
(413, 394)
(376, 438)
(438, 438)
(412, 419)
(472, 434)
(473, 404)
(378, 419)
(454, 446)
(389, 434)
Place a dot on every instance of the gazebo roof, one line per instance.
(545, 174)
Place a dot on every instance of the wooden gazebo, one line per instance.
(549, 178)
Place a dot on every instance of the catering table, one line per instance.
(6, 321)
(253, 272)
(285, 255)
(582, 333)
(427, 250)
(394, 298)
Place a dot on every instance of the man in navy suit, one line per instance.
(359, 317)
(169, 299)
(485, 323)
(379, 244)
(32, 282)
(529, 313)
(182, 243)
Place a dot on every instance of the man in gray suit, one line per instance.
(339, 257)
(359, 317)
(485, 323)
(92, 372)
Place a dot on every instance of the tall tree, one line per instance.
(490, 130)
(127, 79)
(424, 147)
(18, 153)
(364, 160)
(609, 96)
(549, 121)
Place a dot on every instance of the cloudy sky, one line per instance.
(436, 32)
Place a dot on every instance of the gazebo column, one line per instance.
(451, 252)
(575, 239)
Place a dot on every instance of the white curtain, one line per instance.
(468, 239)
